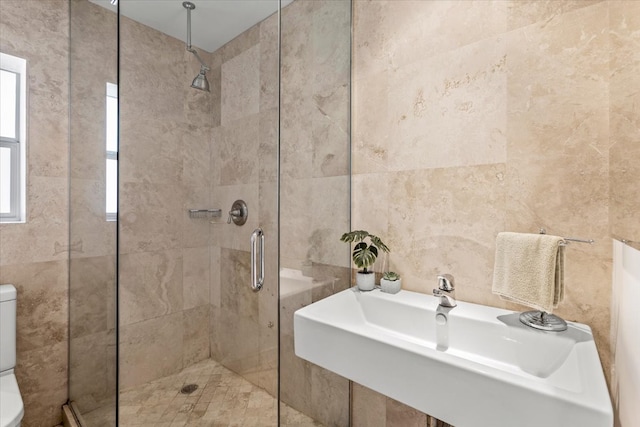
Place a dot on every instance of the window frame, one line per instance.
(17, 145)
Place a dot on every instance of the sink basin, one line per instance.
(470, 366)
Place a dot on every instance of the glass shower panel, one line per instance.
(92, 235)
(196, 343)
(244, 323)
(314, 194)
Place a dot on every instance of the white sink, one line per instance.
(477, 366)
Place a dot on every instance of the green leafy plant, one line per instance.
(364, 254)
(391, 275)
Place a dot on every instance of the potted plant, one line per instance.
(364, 256)
(390, 282)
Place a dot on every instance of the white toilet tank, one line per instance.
(11, 404)
(7, 327)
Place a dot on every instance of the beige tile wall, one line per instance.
(472, 118)
(33, 255)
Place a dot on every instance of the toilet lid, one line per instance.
(11, 406)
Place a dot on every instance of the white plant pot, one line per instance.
(366, 282)
(390, 286)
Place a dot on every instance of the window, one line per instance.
(13, 130)
(112, 152)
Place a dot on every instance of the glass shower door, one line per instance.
(197, 344)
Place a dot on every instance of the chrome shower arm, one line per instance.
(190, 6)
(200, 82)
(195, 53)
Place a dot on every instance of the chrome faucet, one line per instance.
(446, 290)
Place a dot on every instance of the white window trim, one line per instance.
(17, 146)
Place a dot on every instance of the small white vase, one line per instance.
(366, 281)
(390, 286)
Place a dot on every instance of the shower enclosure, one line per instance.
(164, 324)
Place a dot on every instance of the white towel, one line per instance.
(529, 269)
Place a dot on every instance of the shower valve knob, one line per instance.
(235, 213)
(238, 213)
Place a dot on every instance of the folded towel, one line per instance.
(529, 269)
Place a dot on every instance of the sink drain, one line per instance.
(189, 388)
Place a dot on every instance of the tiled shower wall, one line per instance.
(33, 255)
(472, 118)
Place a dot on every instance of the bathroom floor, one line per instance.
(222, 399)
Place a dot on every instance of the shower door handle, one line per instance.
(257, 261)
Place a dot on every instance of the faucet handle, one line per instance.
(446, 282)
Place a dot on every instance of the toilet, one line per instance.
(11, 406)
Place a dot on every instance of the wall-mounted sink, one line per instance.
(470, 366)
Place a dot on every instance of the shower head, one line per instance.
(200, 82)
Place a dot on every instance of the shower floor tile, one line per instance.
(222, 399)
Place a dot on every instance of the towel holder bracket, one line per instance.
(566, 240)
(543, 321)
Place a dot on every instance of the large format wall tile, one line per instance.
(44, 236)
(90, 233)
(446, 222)
(524, 12)
(196, 231)
(151, 285)
(152, 73)
(449, 116)
(401, 32)
(196, 154)
(151, 349)
(92, 383)
(151, 149)
(42, 303)
(150, 217)
(238, 151)
(42, 378)
(195, 345)
(196, 277)
(236, 316)
(241, 85)
(91, 292)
